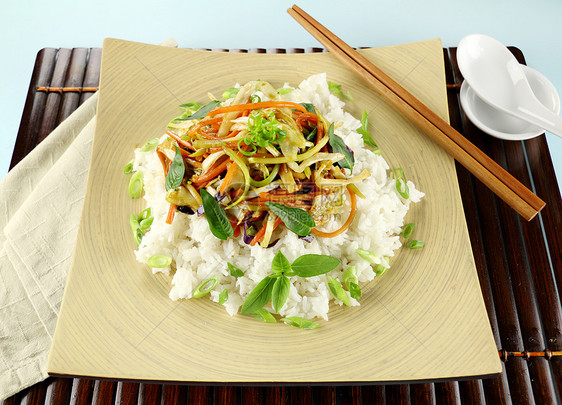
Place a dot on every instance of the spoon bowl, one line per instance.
(494, 74)
(505, 126)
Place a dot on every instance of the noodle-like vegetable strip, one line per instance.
(346, 224)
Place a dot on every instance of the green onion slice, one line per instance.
(415, 244)
(159, 261)
(150, 145)
(205, 287)
(135, 185)
(299, 322)
(128, 169)
(264, 315)
(407, 231)
(402, 188)
(223, 296)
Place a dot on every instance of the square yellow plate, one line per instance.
(424, 319)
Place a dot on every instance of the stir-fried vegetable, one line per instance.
(255, 163)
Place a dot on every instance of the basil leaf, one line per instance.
(234, 271)
(364, 131)
(280, 293)
(297, 220)
(259, 296)
(216, 216)
(311, 137)
(223, 296)
(309, 107)
(280, 264)
(337, 290)
(176, 172)
(314, 265)
(299, 322)
(202, 112)
(339, 146)
(264, 315)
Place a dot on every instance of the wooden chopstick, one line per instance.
(503, 184)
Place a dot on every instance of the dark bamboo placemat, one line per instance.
(519, 265)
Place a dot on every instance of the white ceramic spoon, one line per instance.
(496, 77)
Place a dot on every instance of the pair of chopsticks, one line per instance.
(503, 184)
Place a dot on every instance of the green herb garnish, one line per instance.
(159, 261)
(264, 315)
(201, 112)
(223, 296)
(407, 231)
(206, 286)
(259, 296)
(402, 188)
(280, 264)
(150, 145)
(309, 107)
(216, 216)
(175, 175)
(339, 146)
(263, 131)
(336, 90)
(364, 130)
(136, 185)
(135, 228)
(337, 290)
(299, 322)
(368, 255)
(314, 265)
(351, 282)
(276, 287)
(284, 90)
(234, 271)
(297, 220)
(128, 169)
(229, 93)
(280, 292)
(415, 244)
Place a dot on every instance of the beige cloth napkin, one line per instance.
(40, 206)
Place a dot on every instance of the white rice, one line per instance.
(197, 254)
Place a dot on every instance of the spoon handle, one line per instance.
(537, 114)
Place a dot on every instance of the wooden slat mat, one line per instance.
(519, 266)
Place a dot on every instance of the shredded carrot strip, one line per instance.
(259, 236)
(346, 224)
(257, 106)
(171, 213)
(185, 144)
(228, 177)
(202, 124)
(162, 158)
(213, 172)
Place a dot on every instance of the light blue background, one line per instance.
(27, 26)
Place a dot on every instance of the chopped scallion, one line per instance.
(205, 287)
(135, 185)
(223, 296)
(407, 231)
(159, 261)
(415, 244)
(150, 145)
(128, 169)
